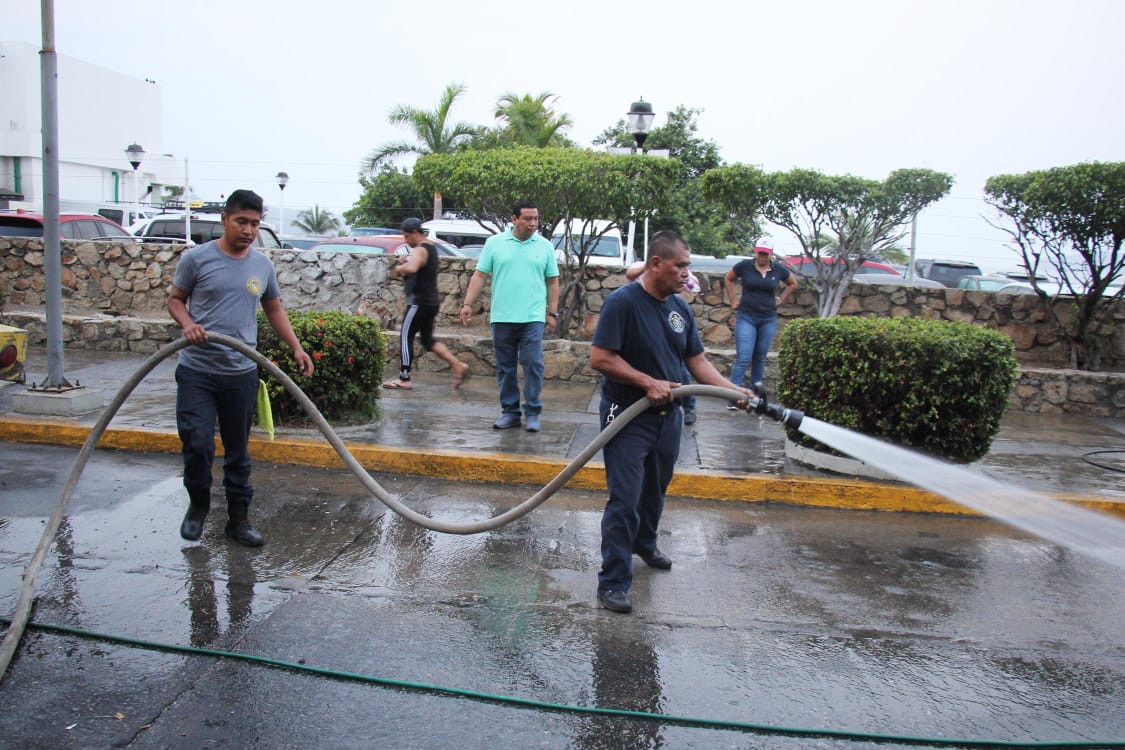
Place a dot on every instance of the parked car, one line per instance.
(379, 244)
(371, 231)
(805, 267)
(711, 264)
(895, 280)
(986, 283)
(946, 271)
(1016, 288)
(471, 251)
(204, 228)
(21, 223)
(301, 242)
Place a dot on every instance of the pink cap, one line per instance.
(765, 245)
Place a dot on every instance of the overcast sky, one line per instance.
(973, 88)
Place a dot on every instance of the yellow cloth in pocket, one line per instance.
(265, 411)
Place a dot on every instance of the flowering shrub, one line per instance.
(348, 353)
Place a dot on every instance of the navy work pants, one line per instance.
(639, 463)
(201, 397)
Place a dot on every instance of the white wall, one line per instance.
(100, 113)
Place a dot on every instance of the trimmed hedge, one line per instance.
(937, 386)
(349, 355)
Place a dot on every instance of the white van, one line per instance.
(460, 232)
(609, 249)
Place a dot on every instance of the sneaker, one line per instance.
(732, 407)
(689, 416)
(507, 421)
(533, 423)
(615, 601)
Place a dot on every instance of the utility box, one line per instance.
(13, 352)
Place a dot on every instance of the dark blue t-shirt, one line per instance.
(653, 336)
(759, 293)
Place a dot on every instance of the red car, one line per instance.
(20, 223)
(802, 266)
(379, 244)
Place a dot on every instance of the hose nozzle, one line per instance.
(788, 417)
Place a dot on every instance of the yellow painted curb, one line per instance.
(502, 468)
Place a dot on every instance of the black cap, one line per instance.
(411, 225)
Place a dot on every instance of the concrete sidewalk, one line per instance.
(436, 430)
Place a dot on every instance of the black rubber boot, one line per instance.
(192, 527)
(238, 527)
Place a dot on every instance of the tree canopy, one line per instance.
(531, 121)
(1069, 221)
(431, 128)
(704, 225)
(315, 221)
(389, 196)
(865, 216)
(563, 183)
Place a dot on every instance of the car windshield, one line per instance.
(604, 247)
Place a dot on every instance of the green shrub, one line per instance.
(348, 353)
(937, 386)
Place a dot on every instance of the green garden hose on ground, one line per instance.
(566, 708)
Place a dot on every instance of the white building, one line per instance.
(101, 113)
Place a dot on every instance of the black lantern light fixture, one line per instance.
(282, 181)
(640, 121)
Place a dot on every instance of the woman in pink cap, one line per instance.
(756, 310)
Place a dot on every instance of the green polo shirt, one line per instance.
(519, 272)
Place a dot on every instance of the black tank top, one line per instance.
(421, 287)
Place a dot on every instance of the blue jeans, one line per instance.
(753, 335)
(519, 344)
(200, 398)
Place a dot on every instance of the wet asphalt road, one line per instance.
(902, 624)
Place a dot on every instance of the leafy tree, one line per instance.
(1072, 220)
(431, 129)
(314, 221)
(388, 197)
(564, 183)
(706, 228)
(531, 121)
(865, 216)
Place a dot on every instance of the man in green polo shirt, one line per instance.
(525, 302)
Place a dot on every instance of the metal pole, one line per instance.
(52, 249)
(187, 204)
(913, 237)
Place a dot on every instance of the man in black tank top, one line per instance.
(419, 270)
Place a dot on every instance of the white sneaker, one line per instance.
(732, 407)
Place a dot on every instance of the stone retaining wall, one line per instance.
(1038, 390)
(114, 298)
(133, 279)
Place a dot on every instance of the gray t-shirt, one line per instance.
(223, 296)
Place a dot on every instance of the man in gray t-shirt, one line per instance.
(217, 288)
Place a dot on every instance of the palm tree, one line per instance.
(530, 121)
(314, 221)
(430, 128)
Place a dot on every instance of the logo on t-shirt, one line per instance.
(676, 321)
(254, 286)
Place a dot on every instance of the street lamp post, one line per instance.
(282, 181)
(135, 154)
(640, 124)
